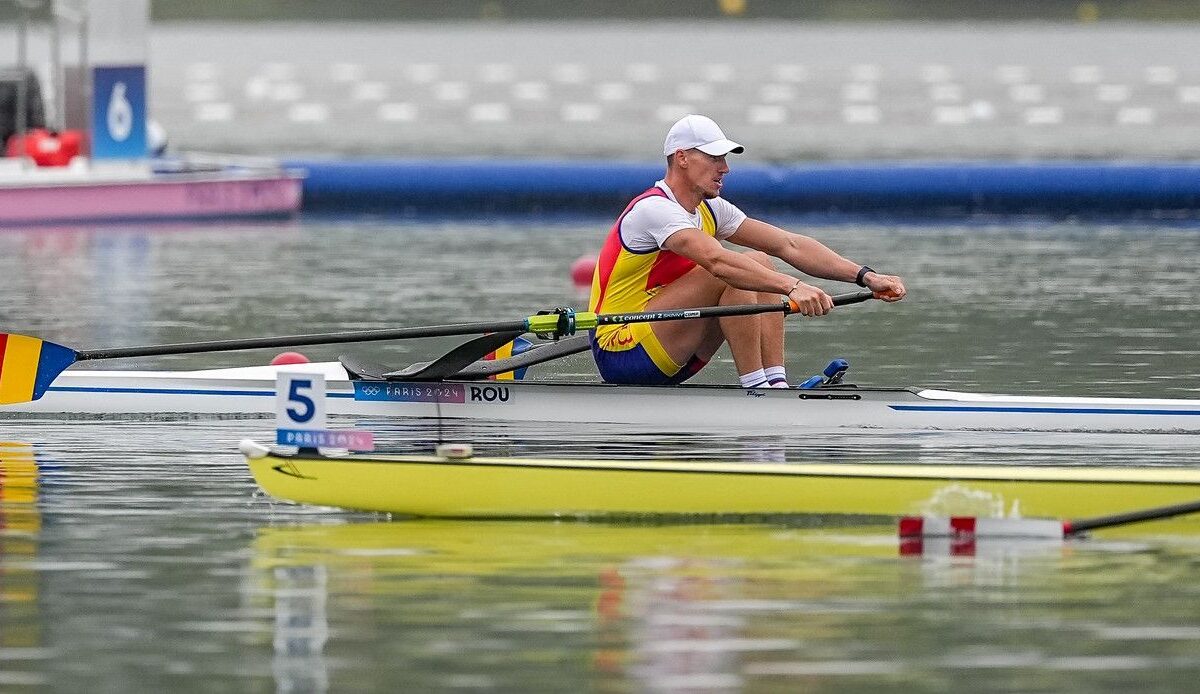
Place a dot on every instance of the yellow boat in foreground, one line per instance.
(438, 486)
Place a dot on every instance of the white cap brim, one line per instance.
(721, 148)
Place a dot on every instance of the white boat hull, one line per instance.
(250, 391)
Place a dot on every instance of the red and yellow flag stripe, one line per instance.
(19, 359)
(510, 349)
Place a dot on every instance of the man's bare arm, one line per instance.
(812, 257)
(737, 270)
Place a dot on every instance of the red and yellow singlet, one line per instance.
(633, 266)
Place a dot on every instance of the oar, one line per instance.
(1083, 525)
(28, 365)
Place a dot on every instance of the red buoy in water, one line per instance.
(581, 271)
(289, 358)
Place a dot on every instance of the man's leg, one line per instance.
(746, 335)
(772, 343)
(771, 327)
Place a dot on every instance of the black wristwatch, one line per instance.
(862, 272)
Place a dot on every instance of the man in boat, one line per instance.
(665, 252)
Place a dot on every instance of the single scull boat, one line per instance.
(34, 377)
(433, 485)
(250, 391)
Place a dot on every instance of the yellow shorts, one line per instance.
(636, 337)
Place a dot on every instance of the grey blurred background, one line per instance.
(371, 10)
(794, 81)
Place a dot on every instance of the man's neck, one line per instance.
(687, 198)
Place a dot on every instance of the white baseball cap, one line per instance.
(699, 132)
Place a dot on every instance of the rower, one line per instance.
(664, 252)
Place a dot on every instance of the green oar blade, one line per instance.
(28, 366)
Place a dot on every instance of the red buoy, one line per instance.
(289, 358)
(582, 269)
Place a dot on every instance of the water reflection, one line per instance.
(626, 596)
(102, 285)
(301, 628)
(517, 605)
(20, 524)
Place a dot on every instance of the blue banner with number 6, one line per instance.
(119, 112)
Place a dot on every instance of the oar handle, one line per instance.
(852, 298)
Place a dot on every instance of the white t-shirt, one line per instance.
(652, 220)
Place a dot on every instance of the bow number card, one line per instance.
(300, 416)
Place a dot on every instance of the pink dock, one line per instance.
(42, 196)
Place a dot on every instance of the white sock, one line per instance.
(754, 379)
(776, 376)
